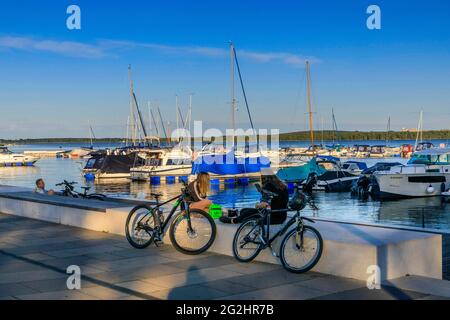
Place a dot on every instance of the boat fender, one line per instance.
(430, 189)
(443, 187)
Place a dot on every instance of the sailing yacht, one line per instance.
(426, 174)
(9, 159)
(116, 163)
(233, 163)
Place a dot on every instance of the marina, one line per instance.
(233, 151)
(430, 212)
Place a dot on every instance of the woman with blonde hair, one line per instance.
(198, 191)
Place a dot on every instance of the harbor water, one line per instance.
(420, 212)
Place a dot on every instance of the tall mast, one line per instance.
(132, 116)
(233, 100)
(150, 129)
(419, 129)
(177, 111)
(308, 77)
(388, 130)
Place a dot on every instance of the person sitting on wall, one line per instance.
(40, 188)
(198, 192)
(278, 205)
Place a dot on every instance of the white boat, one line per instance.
(9, 159)
(164, 163)
(80, 152)
(427, 174)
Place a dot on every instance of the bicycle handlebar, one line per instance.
(66, 183)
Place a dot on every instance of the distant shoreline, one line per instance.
(291, 136)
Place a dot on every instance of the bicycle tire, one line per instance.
(311, 264)
(182, 216)
(129, 220)
(243, 225)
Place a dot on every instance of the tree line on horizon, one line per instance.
(291, 136)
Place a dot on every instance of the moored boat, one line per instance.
(10, 159)
(427, 174)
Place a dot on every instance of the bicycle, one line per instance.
(301, 247)
(192, 231)
(69, 191)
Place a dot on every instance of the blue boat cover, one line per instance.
(301, 172)
(229, 164)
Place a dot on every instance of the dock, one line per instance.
(45, 153)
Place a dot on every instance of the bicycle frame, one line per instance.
(180, 200)
(265, 215)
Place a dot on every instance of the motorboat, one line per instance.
(427, 174)
(117, 163)
(355, 167)
(366, 183)
(333, 178)
(360, 151)
(10, 159)
(164, 163)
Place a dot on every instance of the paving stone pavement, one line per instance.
(34, 256)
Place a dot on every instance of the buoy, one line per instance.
(155, 180)
(243, 181)
(170, 179)
(215, 181)
(182, 178)
(230, 182)
(430, 189)
(89, 176)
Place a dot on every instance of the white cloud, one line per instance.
(68, 48)
(110, 47)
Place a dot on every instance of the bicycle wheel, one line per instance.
(246, 242)
(297, 257)
(194, 241)
(140, 226)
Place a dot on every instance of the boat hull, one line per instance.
(411, 185)
(145, 173)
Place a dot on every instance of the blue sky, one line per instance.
(55, 82)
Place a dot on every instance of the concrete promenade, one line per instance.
(34, 256)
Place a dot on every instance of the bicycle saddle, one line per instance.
(156, 195)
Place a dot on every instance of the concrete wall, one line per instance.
(349, 249)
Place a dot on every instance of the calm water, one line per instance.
(430, 212)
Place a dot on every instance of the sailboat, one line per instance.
(84, 151)
(237, 162)
(420, 144)
(116, 163)
(385, 151)
(173, 162)
(323, 173)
